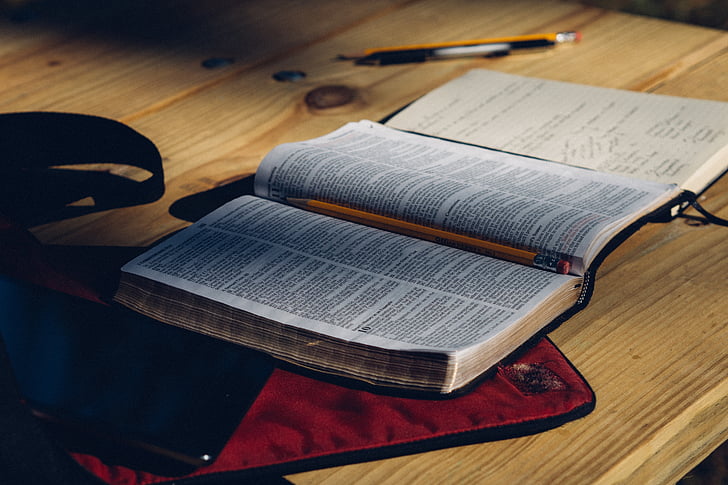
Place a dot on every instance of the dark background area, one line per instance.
(709, 13)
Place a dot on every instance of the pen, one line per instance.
(476, 47)
(476, 245)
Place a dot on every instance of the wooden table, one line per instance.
(653, 341)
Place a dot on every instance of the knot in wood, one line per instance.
(327, 97)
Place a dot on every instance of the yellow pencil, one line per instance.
(554, 37)
(479, 246)
(475, 47)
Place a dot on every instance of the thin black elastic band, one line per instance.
(713, 219)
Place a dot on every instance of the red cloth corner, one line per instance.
(299, 423)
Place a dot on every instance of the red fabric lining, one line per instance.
(297, 418)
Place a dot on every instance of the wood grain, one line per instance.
(652, 343)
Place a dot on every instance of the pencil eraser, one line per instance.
(563, 267)
(577, 37)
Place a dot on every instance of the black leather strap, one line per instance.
(35, 190)
(712, 219)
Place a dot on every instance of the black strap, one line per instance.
(35, 147)
(710, 218)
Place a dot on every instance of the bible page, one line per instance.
(552, 208)
(348, 281)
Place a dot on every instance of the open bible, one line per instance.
(372, 304)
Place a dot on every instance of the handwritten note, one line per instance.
(647, 136)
